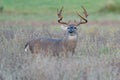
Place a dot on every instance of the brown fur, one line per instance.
(54, 45)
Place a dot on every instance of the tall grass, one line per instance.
(97, 55)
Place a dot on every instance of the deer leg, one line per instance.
(73, 52)
(55, 54)
(36, 50)
(66, 53)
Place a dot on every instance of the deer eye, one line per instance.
(75, 28)
(68, 28)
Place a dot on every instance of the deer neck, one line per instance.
(70, 41)
(70, 38)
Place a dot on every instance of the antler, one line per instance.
(60, 17)
(85, 20)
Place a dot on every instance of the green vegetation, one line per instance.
(48, 6)
(46, 9)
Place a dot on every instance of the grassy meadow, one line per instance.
(97, 54)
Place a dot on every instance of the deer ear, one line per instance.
(63, 27)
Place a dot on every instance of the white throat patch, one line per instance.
(72, 37)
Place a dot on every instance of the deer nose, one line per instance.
(71, 31)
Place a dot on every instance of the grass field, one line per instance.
(22, 9)
(97, 54)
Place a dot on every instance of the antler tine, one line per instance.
(85, 20)
(60, 16)
(85, 12)
(59, 12)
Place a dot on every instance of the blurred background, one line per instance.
(46, 9)
(97, 54)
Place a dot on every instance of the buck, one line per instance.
(66, 44)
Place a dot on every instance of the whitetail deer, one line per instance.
(68, 43)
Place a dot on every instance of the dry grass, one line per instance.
(97, 55)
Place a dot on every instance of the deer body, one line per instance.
(66, 44)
